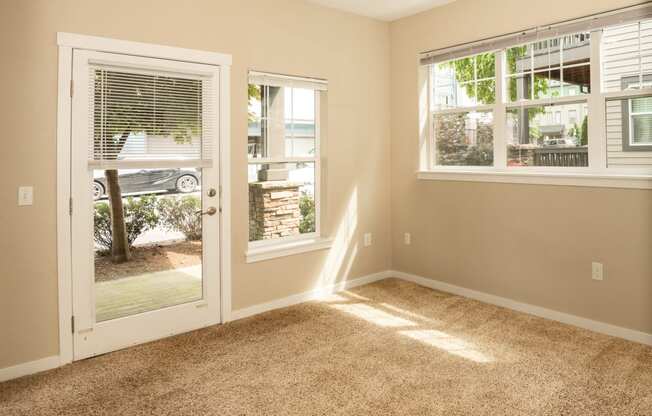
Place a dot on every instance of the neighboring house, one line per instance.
(629, 121)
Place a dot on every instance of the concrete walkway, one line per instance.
(147, 292)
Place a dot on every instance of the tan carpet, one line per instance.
(390, 348)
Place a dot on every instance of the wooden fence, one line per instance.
(571, 156)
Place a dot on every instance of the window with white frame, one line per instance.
(283, 157)
(463, 97)
(627, 72)
(559, 99)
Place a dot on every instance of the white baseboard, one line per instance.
(591, 325)
(54, 361)
(24, 369)
(307, 296)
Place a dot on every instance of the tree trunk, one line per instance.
(120, 244)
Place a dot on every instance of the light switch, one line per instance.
(25, 195)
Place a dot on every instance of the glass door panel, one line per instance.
(161, 211)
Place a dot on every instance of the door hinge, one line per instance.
(72, 324)
(70, 206)
(72, 87)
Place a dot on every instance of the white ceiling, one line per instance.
(383, 9)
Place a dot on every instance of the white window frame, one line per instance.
(481, 108)
(630, 103)
(290, 245)
(597, 174)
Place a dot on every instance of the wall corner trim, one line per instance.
(565, 318)
(31, 367)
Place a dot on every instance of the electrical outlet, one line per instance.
(25, 195)
(407, 239)
(367, 239)
(597, 271)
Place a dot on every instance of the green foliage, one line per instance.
(180, 214)
(535, 133)
(253, 94)
(465, 71)
(307, 208)
(585, 132)
(102, 226)
(140, 215)
(540, 84)
(452, 144)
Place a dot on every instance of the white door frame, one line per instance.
(67, 42)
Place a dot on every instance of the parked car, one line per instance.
(559, 143)
(149, 180)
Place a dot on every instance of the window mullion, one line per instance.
(596, 106)
(500, 114)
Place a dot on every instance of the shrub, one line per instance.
(307, 208)
(140, 215)
(180, 214)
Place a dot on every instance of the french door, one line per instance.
(145, 199)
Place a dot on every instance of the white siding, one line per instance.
(616, 157)
(626, 54)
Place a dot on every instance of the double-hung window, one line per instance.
(570, 101)
(283, 149)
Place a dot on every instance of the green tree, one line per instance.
(585, 132)
(485, 64)
(128, 104)
(307, 208)
(253, 95)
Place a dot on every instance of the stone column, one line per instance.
(274, 209)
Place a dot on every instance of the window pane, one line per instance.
(559, 67)
(642, 125)
(164, 233)
(576, 50)
(486, 91)
(486, 65)
(625, 56)
(642, 105)
(281, 122)
(519, 87)
(465, 96)
(541, 52)
(281, 200)
(464, 82)
(548, 135)
(464, 139)
(519, 59)
(577, 81)
(629, 133)
(542, 85)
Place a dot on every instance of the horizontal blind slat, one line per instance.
(144, 118)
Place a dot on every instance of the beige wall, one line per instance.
(530, 243)
(285, 36)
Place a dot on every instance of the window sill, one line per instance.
(601, 180)
(290, 248)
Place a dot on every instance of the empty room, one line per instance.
(326, 207)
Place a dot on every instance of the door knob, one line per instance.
(209, 211)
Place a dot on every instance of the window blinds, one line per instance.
(588, 23)
(278, 80)
(148, 116)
